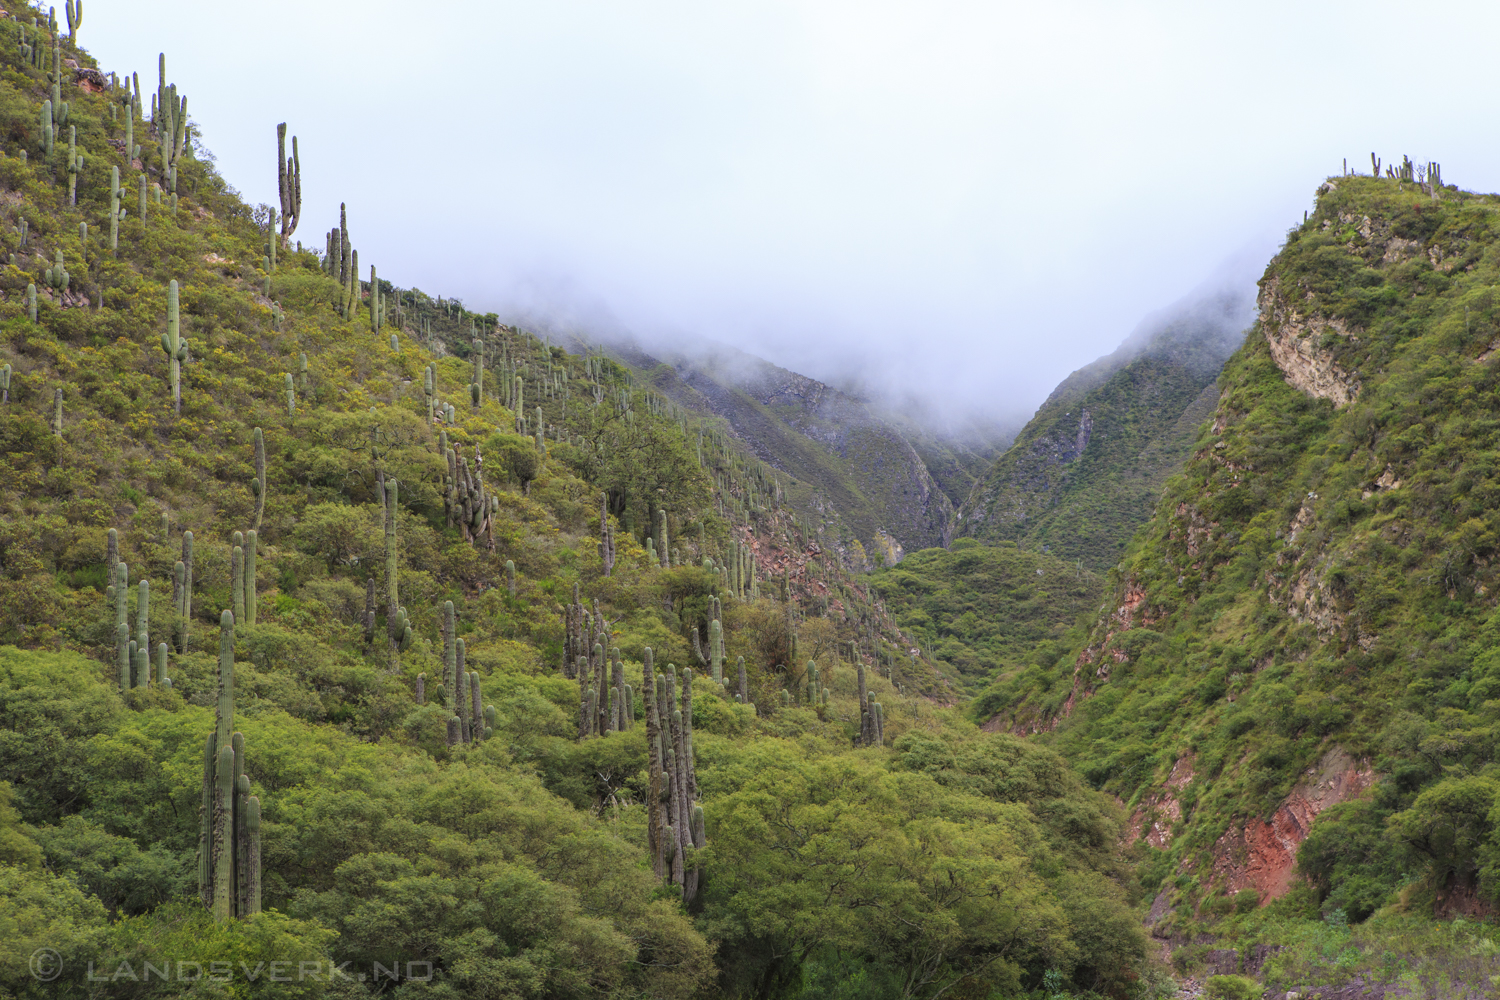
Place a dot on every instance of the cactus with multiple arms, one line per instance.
(288, 182)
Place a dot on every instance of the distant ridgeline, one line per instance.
(422, 686)
(894, 484)
(1088, 468)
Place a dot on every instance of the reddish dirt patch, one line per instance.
(1263, 855)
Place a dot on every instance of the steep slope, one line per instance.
(894, 483)
(533, 827)
(1086, 471)
(1296, 676)
(982, 608)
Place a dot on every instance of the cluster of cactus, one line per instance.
(56, 276)
(229, 816)
(715, 658)
(467, 721)
(469, 506)
(342, 264)
(743, 576)
(31, 51)
(132, 104)
(175, 347)
(606, 703)
(398, 628)
(169, 114)
(675, 822)
(242, 569)
(606, 536)
(288, 182)
(133, 655)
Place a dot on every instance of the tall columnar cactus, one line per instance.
(250, 546)
(288, 182)
(229, 818)
(392, 595)
(116, 213)
(450, 651)
(75, 164)
(185, 607)
(716, 645)
(606, 536)
(374, 302)
(74, 10)
(143, 625)
(428, 389)
(111, 554)
(174, 345)
(171, 119)
(48, 132)
(510, 576)
(258, 484)
(5, 384)
(476, 380)
(663, 543)
(237, 574)
(31, 301)
(122, 625)
(743, 695)
(866, 727)
(57, 412)
(303, 363)
(161, 667)
(291, 396)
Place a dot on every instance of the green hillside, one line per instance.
(984, 609)
(1086, 472)
(273, 747)
(1293, 685)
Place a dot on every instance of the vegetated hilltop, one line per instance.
(895, 484)
(1296, 675)
(326, 644)
(984, 609)
(1088, 468)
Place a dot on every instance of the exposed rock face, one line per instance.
(1296, 342)
(1263, 855)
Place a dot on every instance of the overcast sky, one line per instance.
(967, 200)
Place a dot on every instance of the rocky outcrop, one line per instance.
(1297, 343)
(1262, 855)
